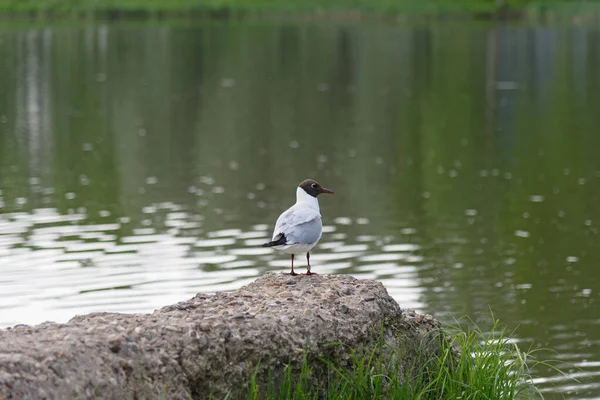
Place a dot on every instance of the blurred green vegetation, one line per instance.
(229, 8)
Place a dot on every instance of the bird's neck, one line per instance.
(306, 199)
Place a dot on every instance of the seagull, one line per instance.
(299, 228)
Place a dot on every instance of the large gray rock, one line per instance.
(208, 344)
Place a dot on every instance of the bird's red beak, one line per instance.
(328, 191)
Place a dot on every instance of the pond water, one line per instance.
(141, 164)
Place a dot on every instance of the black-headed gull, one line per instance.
(299, 228)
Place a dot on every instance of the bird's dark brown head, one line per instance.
(313, 188)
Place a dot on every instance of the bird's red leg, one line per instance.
(308, 264)
(293, 273)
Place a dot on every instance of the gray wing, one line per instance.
(299, 226)
(308, 232)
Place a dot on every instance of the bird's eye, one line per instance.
(313, 185)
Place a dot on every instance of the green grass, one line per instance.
(242, 6)
(488, 366)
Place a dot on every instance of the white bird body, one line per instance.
(299, 228)
(300, 224)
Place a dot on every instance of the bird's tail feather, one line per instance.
(277, 241)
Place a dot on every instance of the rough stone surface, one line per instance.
(208, 344)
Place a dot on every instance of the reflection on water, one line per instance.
(142, 164)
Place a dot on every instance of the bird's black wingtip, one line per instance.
(279, 240)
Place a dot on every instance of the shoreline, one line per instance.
(580, 12)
